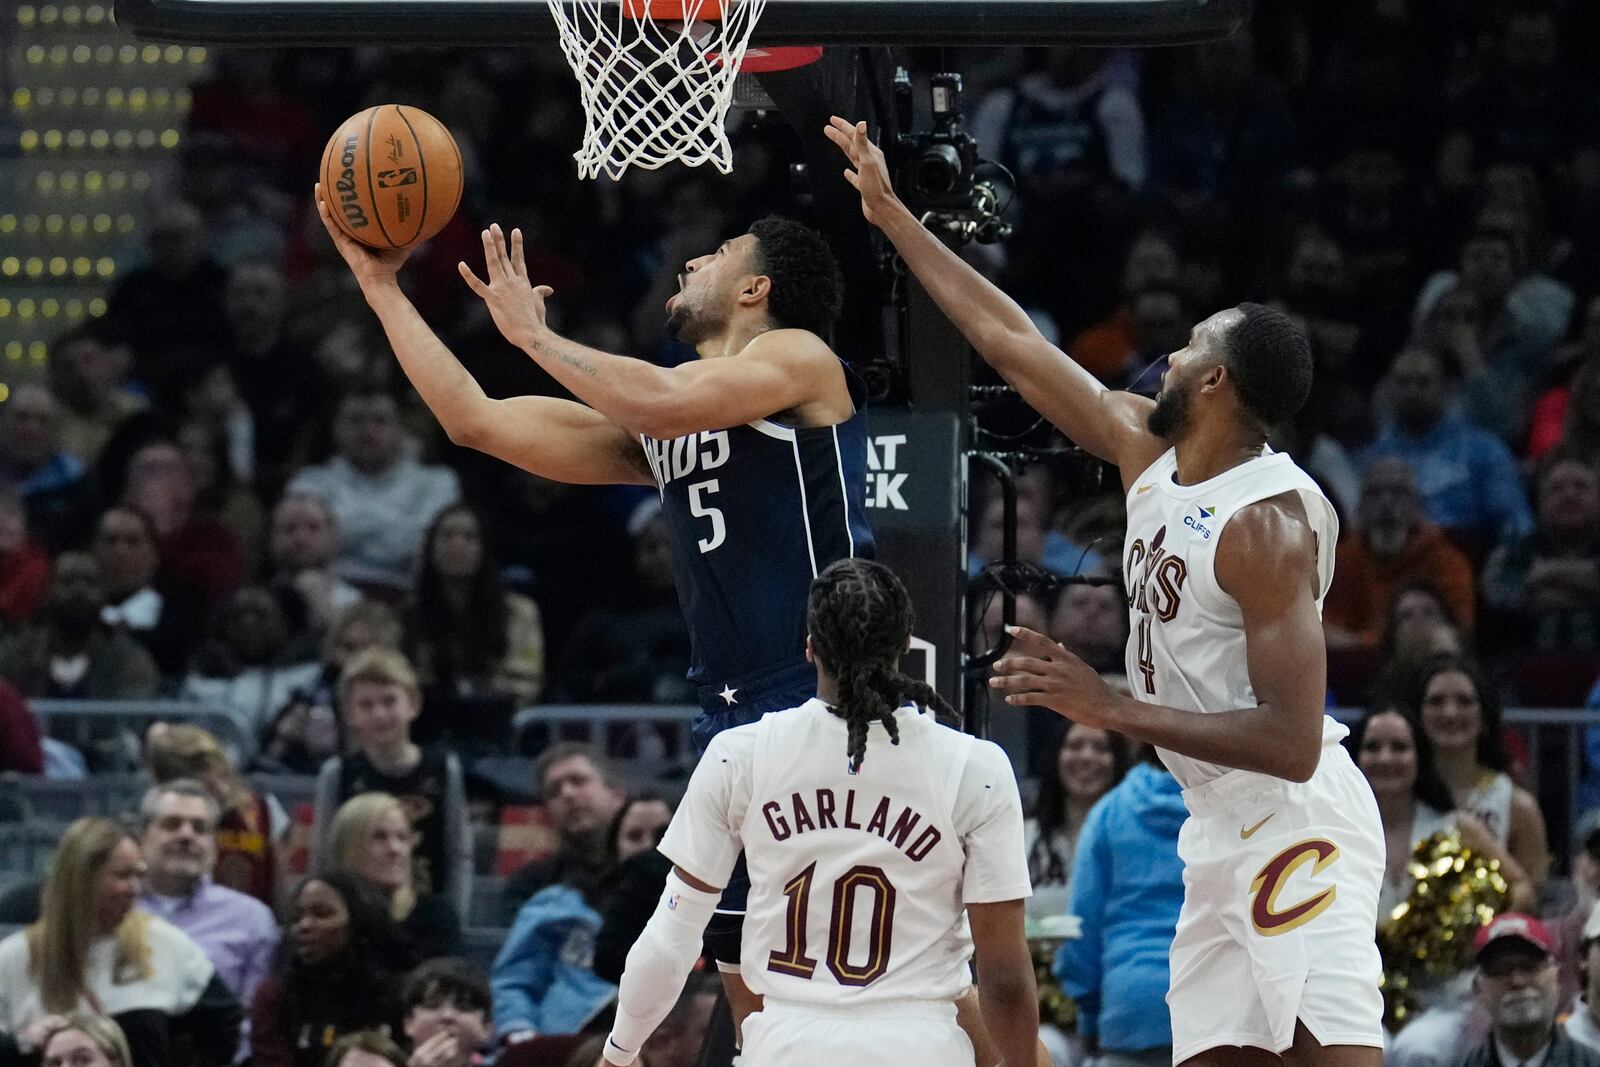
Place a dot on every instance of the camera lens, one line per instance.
(938, 170)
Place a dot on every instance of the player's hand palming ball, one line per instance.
(391, 176)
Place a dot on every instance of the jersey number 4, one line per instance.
(701, 510)
(848, 892)
(1147, 659)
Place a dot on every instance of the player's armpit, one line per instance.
(1267, 561)
(556, 439)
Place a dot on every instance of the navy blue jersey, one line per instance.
(754, 513)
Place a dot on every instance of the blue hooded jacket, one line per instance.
(1127, 887)
(542, 979)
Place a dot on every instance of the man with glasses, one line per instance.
(1518, 984)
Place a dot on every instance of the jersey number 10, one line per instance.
(847, 892)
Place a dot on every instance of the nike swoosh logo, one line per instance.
(1249, 832)
(1144, 488)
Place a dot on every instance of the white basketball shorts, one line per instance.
(919, 1032)
(1280, 909)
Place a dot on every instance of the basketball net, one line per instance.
(655, 77)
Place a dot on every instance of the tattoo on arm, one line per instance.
(577, 363)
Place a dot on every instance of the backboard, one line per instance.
(854, 22)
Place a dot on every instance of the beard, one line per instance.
(680, 325)
(1170, 416)
(1524, 1010)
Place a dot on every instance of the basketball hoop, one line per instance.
(655, 78)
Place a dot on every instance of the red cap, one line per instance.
(1523, 928)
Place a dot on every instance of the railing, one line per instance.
(116, 727)
(656, 739)
(631, 731)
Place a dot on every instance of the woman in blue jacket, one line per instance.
(1127, 887)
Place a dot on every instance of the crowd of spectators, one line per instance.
(225, 491)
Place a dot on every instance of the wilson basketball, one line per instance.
(391, 176)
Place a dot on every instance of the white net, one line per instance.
(654, 90)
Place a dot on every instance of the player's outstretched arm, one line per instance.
(779, 371)
(1267, 561)
(554, 438)
(1007, 994)
(1108, 423)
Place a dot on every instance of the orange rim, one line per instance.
(673, 10)
(788, 57)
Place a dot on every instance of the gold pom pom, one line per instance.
(1428, 937)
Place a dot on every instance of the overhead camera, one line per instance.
(936, 170)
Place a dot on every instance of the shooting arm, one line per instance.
(776, 372)
(1266, 561)
(554, 438)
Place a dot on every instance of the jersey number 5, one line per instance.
(847, 892)
(700, 509)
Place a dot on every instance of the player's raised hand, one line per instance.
(368, 264)
(1039, 671)
(868, 170)
(515, 304)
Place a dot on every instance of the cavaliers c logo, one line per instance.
(1268, 883)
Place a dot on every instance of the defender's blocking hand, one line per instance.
(868, 171)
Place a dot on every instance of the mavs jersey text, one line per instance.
(754, 512)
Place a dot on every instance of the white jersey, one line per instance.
(1186, 645)
(858, 882)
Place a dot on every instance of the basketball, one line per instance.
(392, 176)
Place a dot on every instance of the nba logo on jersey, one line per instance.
(672, 902)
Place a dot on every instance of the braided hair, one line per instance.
(860, 618)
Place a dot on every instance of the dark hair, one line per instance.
(374, 1042)
(465, 644)
(364, 973)
(1491, 746)
(1429, 788)
(446, 981)
(642, 796)
(859, 617)
(224, 480)
(807, 290)
(1051, 806)
(1269, 359)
